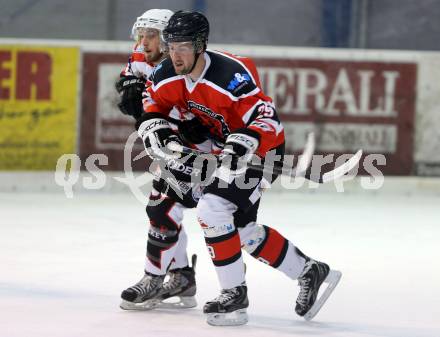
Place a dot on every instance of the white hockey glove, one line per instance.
(156, 134)
(240, 147)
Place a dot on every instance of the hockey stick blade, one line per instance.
(332, 280)
(342, 169)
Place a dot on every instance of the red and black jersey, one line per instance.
(137, 65)
(225, 98)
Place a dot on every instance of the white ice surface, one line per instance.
(65, 261)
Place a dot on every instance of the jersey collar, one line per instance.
(190, 85)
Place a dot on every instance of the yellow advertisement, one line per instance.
(38, 105)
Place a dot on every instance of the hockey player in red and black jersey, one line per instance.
(165, 210)
(166, 207)
(219, 92)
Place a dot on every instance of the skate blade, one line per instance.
(238, 317)
(332, 281)
(178, 302)
(147, 305)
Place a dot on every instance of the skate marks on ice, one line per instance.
(102, 317)
(192, 322)
(272, 326)
(29, 291)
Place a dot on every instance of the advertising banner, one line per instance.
(350, 105)
(38, 105)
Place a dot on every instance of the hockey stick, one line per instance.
(301, 170)
(303, 163)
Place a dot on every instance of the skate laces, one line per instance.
(147, 283)
(174, 281)
(304, 284)
(226, 295)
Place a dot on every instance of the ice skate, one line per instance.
(144, 295)
(180, 289)
(313, 276)
(152, 292)
(229, 308)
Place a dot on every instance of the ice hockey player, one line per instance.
(147, 52)
(165, 216)
(219, 91)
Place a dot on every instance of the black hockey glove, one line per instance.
(156, 133)
(193, 131)
(130, 88)
(239, 148)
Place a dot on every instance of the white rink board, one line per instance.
(65, 262)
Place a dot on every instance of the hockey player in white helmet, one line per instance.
(147, 31)
(147, 52)
(165, 216)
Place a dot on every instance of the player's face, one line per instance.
(150, 39)
(183, 56)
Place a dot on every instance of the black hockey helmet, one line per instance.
(186, 26)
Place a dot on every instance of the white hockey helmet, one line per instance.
(153, 18)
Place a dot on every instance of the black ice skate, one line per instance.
(151, 291)
(180, 289)
(144, 295)
(312, 277)
(229, 308)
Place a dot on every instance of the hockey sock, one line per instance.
(278, 252)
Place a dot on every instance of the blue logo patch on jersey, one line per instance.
(238, 80)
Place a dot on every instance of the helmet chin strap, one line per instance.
(196, 57)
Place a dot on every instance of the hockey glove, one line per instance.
(193, 131)
(240, 146)
(131, 88)
(156, 134)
